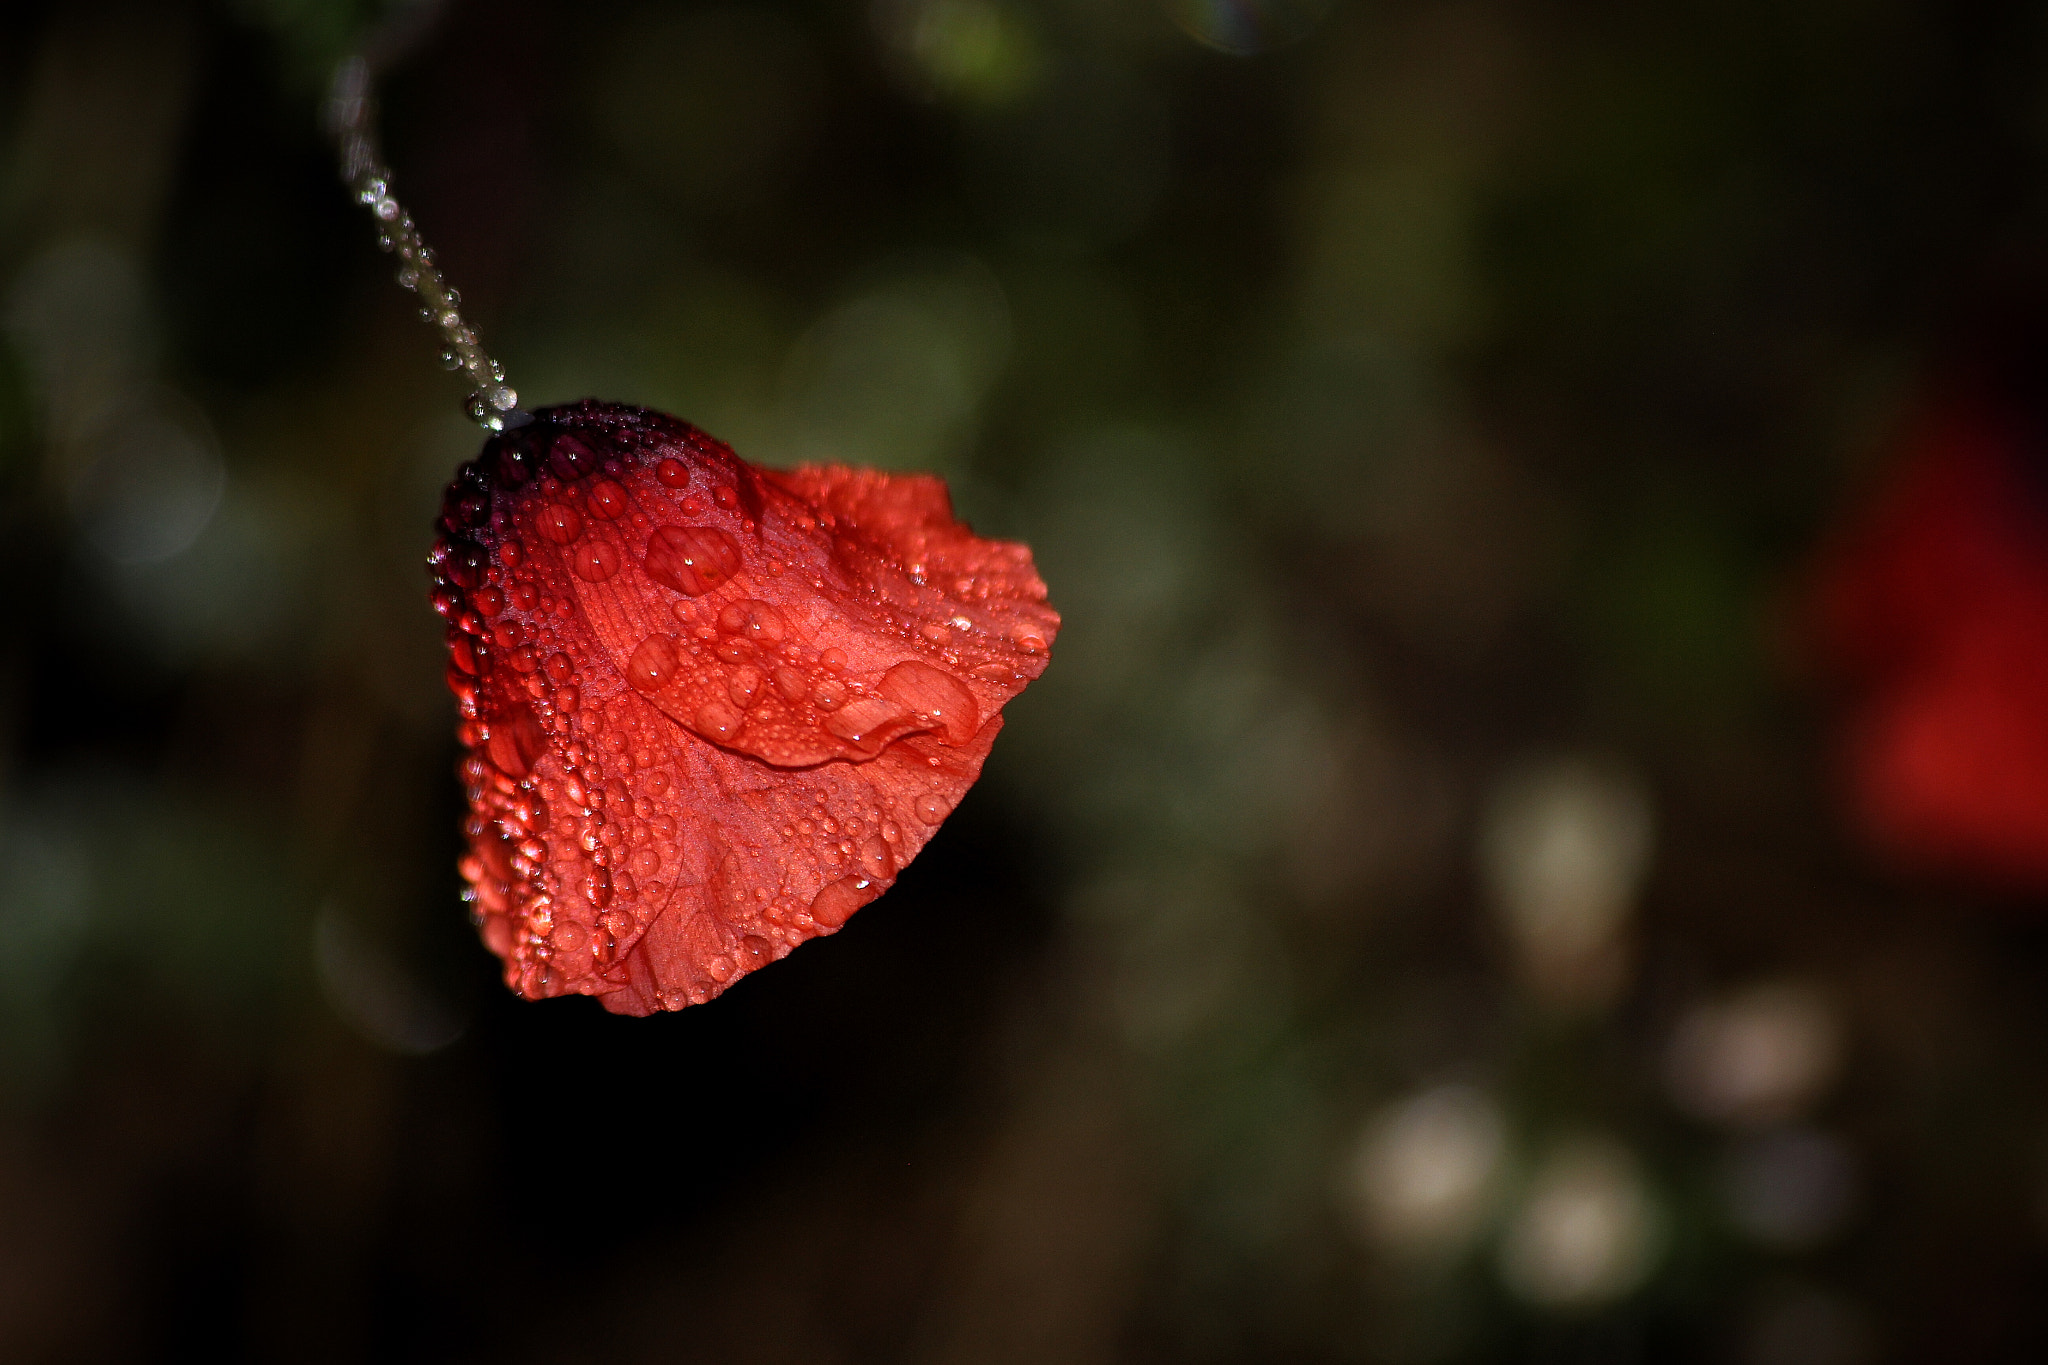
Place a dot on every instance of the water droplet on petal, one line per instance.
(596, 561)
(828, 694)
(859, 720)
(653, 663)
(744, 685)
(929, 807)
(835, 904)
(719, 721)
(753, 620)
(673, 473)
(517, 742)
(691, 559)
(791, 684)
(560, 523)
(936, 695)
(878, 858)
(608, 500)
(570, 458)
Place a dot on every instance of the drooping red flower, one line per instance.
(710, 710)
(1935, 607)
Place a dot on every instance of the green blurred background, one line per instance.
(1410, 920)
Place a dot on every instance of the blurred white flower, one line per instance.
(1587, 1231)
(1426, 1173)
(1756, 1058)
(1564, 847)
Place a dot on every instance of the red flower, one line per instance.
(710, 710)
(1937, 606)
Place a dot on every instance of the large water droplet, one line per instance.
(935, 695)
(753, 620)
(653, 663)
(595, 561)
(608, 500)
(859, 721)
(517, 742)
(570, 458)
(744, 686)
(559, 523)
(717, 720)
(691, 559)
(837, 902)
(878, 858)
(930, 807)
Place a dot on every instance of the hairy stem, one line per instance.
(351, 119)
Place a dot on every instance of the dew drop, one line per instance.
(743, 686)
(517, 742)
(694, 505)
(691, 559)
(878, 858)
(608, 500)
(646, 862)
(570, 458)
(726, 496)
(834, 905)
(755, 951)
(488, 601)
(673, 473)
(929, 807)
(560, 523)
(858, 721)
(653, 663)
(717, 720)
(829, 694)
(834, 659)
(753, 620)
(935, 695)
(791, 684)
(596, 561)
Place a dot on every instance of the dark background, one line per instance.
(1425, 415)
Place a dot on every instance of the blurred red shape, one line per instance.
(710, 710)
(1934, 607)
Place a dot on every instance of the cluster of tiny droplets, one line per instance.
(493, 404)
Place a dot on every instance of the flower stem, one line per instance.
(351, 119)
